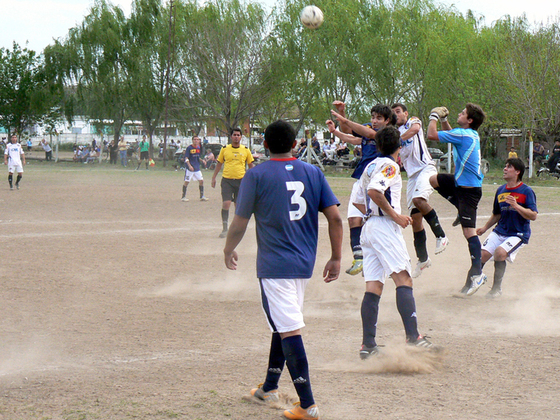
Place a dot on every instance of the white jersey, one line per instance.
(14, 152)
(382, 174)
(414, 153)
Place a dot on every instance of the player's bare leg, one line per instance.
(355, 224)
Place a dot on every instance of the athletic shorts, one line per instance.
(352, 209)
(418, 185)
(384, 249)
(465, 199)
(144, 155)
(15, 168)
(511, 244)
(282, 303)
(193, 176)
(230, 189)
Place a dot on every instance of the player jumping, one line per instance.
(286, 195)
(464, 189)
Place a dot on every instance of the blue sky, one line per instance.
(39, 21)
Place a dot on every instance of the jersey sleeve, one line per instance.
(384, 178)
(221, 155)
(531, 200)
(245, 201)
(327, 196)
(451, 136)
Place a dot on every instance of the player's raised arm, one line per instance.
(362, 130)
(235, 234)
(332, 268)
(348, 138)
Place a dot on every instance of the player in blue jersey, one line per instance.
(192, 169)
(364, 135)
(464, 189)
(286, 196)
(515, 205)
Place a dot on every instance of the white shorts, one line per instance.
(15, 168)
(352, 209)
(282, 303)
(193, 176)
(384, 249)
(418, 185)
(511, 244)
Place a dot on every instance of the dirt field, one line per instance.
(116, 304)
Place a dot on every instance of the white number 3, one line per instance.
(297, 187)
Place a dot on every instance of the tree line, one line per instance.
(226, 62)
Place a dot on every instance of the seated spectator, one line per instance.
(209, 159)
(342, 149)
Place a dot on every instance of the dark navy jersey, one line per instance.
(286, 196)
(511, 223)
(369, 152)
(193, 155)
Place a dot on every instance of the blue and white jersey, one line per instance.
(511, 223)
(14, 152)
(192, 154)
(383, 175)
(466, 155)
(286, 196)
(414, 153)
(369, 152)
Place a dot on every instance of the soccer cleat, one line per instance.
(367, 352)
(223, 234)
(203, 198)
(421, 342)
(476, 282)
(11, 188)
(298, 413)
(270, 396)
(457, 221)
(494, 293)
(441, 244)
(357, 266)
(185, 199)
(420, 266)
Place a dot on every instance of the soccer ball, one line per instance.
(311, 17)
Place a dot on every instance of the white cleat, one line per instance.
(476, 283)
(184, 199)
(441, 244)
(421, 266)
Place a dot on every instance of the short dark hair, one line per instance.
(518, 165)
(280, 137)
(383, 110)
(476, 114)
(388, 140)
(234, 129)
(399, 105)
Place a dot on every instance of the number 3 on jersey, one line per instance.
(297, 187)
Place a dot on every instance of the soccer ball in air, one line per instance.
(311, 17)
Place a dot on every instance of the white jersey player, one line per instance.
(419, 166)
(14, 158)
(383, 245)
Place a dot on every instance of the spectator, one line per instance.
(209, 159)
(123, 147)
(113, 152)
(29, 145)
(512, 153)
(48, 150)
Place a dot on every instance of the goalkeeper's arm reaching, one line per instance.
(439, 113)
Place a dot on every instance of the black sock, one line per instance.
(499, 270)
(475, 251)
(184, 191)
(407, 308)
(355, 234)
(296, 360)
(276, 362)
(370, 311)
(432, 219)
(225, 216)
(10, 180)
(420, 245)
(146, 164)
(18, 179)
(201, 189)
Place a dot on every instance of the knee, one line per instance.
(500, 254)
(433, 181)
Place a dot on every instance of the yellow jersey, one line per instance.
(234, 160)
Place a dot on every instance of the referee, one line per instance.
(233, 158)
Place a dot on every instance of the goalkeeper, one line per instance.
(464, 189)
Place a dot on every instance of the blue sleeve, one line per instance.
(245, 202)
(452, 136)
(531, 201)
(327, 196)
